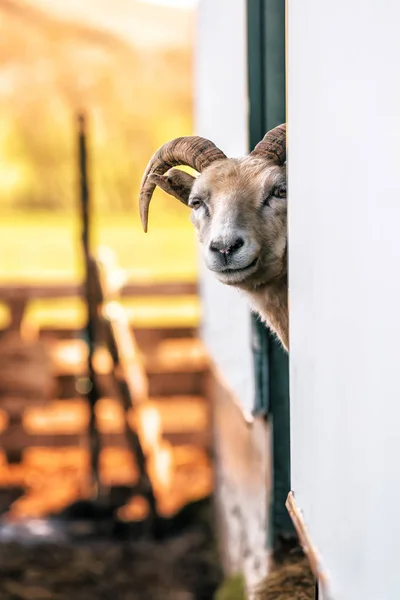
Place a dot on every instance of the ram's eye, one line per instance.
(281, 191)
(195, 203)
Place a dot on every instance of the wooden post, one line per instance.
(92, 393)
(131, 381)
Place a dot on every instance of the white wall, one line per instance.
(221, 115)
(242, 457)
(344, 229)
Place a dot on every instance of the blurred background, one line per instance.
(129, 65)
(104, 421)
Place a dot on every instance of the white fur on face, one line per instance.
(233, 193)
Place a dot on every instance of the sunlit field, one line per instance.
(135, 85)
(40, 248)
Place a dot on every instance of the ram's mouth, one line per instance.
(238, 276)
(241, 269)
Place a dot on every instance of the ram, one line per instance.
(239, 208)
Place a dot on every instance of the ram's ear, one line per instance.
(175, 182)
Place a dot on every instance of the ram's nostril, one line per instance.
(226, 247)
(214, 247)
(237, 245)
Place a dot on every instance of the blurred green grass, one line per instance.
(43, 247)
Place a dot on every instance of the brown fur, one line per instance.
(232, 195)
(291, 580)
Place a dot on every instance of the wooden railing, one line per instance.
(17, 296)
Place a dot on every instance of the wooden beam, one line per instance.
(129, 358)
(305, 541)
(17, 439)
(19, 292)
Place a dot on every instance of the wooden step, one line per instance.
(183, 420)
(178, 413)
(177, 355)
(53, 478)
(160, 384)
(145, 312)
(166, 356)
(172, 384)
(174, 366)
(146, 337)
(16, 440)
(69, 357)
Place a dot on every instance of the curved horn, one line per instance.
(191, 151)
(273, 145)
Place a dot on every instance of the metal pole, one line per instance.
(92, 392)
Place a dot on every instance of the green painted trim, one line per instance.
(260, 348)
(257, 128)
(275, 65)
(256, 67)
(267, 108)
(278, 360)
(266, 66)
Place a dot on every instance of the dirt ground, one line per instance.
(105, 570)
(179, 567)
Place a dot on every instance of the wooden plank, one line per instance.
(69, 357)
(159, 384)
(306, 542)
(146, 335)
(160, 289)
(18, 296)
(10, 292)
(133, 385)
(15, 292)
(147, 338)
(167, 356)
(177, 413)
(173, 383)
(14, 452)
(177, 355)
(129, 356)
(190, 414)
(14, 405)
(17, 312)
(19, 440)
